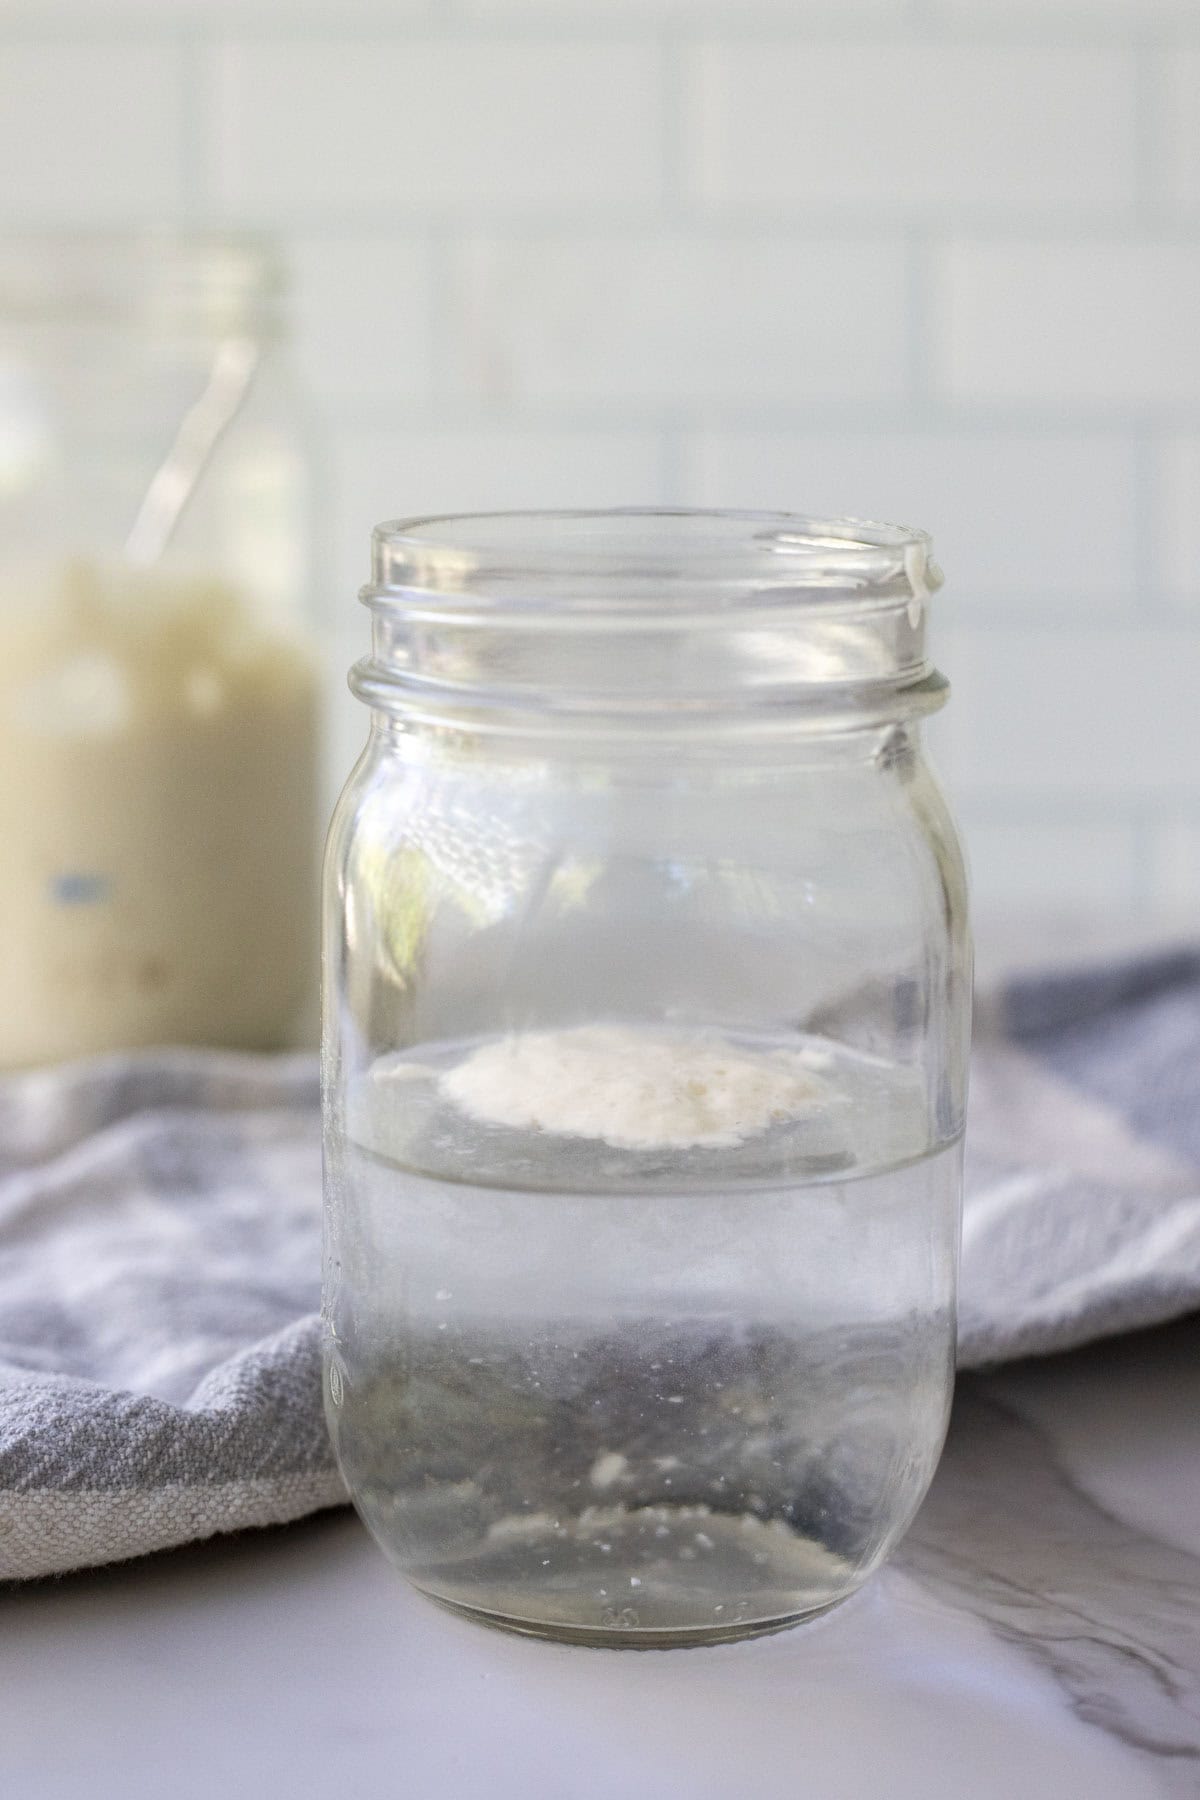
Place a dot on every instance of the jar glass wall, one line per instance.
(647, 991)
(158, 689)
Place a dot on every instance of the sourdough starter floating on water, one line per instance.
(635, 1090)
(645, 1323)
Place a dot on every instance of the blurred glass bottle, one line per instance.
(158, 686)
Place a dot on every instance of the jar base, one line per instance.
(631, 1637)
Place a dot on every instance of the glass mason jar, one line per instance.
(158, 691)
(647, 989)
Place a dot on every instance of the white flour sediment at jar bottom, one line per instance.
(158, 767)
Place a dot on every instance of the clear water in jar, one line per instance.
(638, 1395)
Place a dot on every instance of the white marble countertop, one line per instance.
(1037, 1635)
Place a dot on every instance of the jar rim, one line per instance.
(636, 618)
(654, 560)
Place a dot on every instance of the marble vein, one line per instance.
(1108, 1610)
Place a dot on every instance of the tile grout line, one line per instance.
(1148, 144)
(672, 459)
(1143, 872)
(919, 317)
(440, 302)
(796, 227)
(673, 126)
(1149, 576)
(803, 417)
(197, 110)
(450, 21)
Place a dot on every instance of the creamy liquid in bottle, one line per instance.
(158, 751)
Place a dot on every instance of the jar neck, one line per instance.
(669, 626)
(665, 687)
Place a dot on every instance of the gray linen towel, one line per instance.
(159, 1249)
(159, 1271)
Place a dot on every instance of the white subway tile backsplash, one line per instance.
(1180, 73)
(430, 467)
(1083, 715)
(921, 129)
(90, 133)
(740, 11)
(1083, 15)
(796, 12)
(363, 312)
(323, 128)
(1049, 868)
(1093, 325)
(1176, 867)
(181, 15)
(677, 319)
(1020, 523)
(929, 259)
(1178, 507)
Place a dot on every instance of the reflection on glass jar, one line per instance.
(646, 1020)
(158, 689)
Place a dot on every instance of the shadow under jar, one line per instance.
(647, 992)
